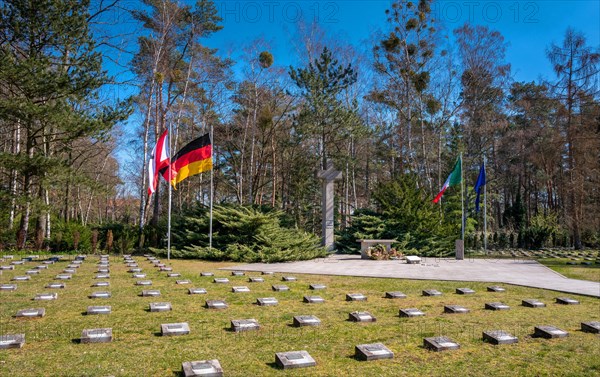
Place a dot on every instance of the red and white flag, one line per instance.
(159, 159)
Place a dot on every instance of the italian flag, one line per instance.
(453, 179)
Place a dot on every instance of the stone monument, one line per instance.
(329, 176)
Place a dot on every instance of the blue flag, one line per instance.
(479, 185)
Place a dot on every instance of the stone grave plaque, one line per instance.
(237, 273)
(221, 280)
(431, 292)
(215, 304)
(45, 296)
(440, 343)
(101, 284)
(166, 269)
(267, 301)
(173, 275)
(240, 289)
(499, 337)
(374, 351)
(21, 278)
(72, 265)
(313, 299)
(591, 327)
(8, 257)
(455, 309)
(96, 335)
(410, 312)
(496, 306)
(132, 266)
(56, 285)
(267, 272)
(355, 297)
(138, 276)
(197, 291)
(204, 368)
(256, 280)
(207, 274)
(317, 286)
(6, 268)
(395, 294)
(8, 287)
(239, 325)
(69, 271)
(17, 263)
(160, 306)
(464, 291)
(170, 329)
(100, 294)
(31, 313)
(151, 293)
(144, 282)
(495, 288)
(280, 288)
(294, 359)
(32, 272)
(306, 320)
(95, 310)
(361, 317)
(288, 278)
(533, 303)
(549, 332)
(12, 341)
(412, 259)
(134, 270)
(566, 301)
(102, 276)
(183, 281)
(44, 267)
(103, 271)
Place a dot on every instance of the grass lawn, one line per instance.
(579, 271)
(52, 349)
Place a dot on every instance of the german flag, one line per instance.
(192, 159)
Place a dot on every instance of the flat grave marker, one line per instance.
(549, 332)
(12, 341)
(394, 294)
(256, 280)
(591, 327)
(239, 325)
(138, 276)
(46, 296)
(412, 259)
(166, 269)
(8, 287)
(203, 368)
(32, 272)
(455, 309)
(144, 282)
(103, 271)
(207, 274)
(215, 304)
(495, 288)
(355, 297)
(99, 294)
(498, 337)
(31, 313)
(237, 273)
(220, 280)
(173, 275)
(183, 281)
(102, 276)
(313, 299)
(240, 289)
(280, 288)
(21, 278)
(464, 291)
(134, 270)
(496, 306)
(288, 278)
(56, 285)
(267, 273)
(431, 292)
(373, 351)
(306, 320)
(7, 268)
(440, 343)
(533, 303)
(267, 301)
(566, 301)
(316, 287)
(294, 359)
(361, 317)
(197, 291)
(160, 306)
(151, 293)
(103, 335)
(410, 312)
(171, 329)
(98, 309)
(101, 284)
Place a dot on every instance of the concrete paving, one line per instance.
(523, 272)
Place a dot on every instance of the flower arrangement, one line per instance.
(380, 252)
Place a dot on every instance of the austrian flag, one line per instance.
(453, 179)
(158, 160)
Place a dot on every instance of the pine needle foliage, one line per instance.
(241, 234)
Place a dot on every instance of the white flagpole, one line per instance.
(462, 199)
(170, 189)
(210, 223)
(484, 211)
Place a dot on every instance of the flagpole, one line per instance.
(170, 189)
(484, 213)
(210, 222)
(462, 199)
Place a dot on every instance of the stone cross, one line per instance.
(328, 176)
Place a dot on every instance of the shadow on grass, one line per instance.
(274, 365)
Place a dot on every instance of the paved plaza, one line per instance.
(523, 272)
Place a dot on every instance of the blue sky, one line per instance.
(528, 26)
